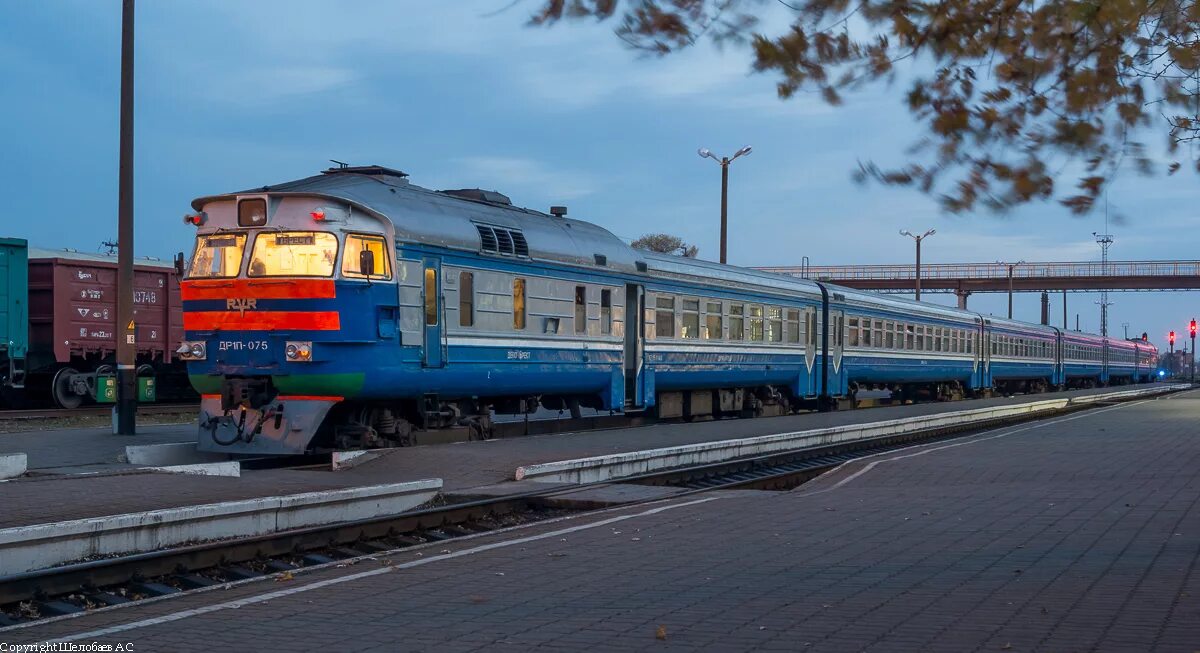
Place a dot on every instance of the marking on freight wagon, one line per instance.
(262, 598)
(83, 311)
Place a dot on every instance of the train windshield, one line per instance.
(293, 254)
(217, 257)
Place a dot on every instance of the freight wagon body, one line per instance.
(72, 326)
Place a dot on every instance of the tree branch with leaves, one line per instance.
(1009, 91)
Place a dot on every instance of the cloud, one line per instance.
(525, 174)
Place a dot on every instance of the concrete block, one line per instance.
(27, 548)
(171, 453)
(227, 468)
(343, 460)
(13, 465)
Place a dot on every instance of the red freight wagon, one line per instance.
(72, 320)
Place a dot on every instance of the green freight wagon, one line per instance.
(14, 313)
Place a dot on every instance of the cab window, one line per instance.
(252, 213)
(366, 257)
(217, 257)
(293, 254)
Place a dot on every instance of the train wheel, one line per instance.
(60, 389)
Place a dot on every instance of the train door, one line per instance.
(837, 338)
(812, 339)
(635, 298)
(431, 296)
(1060, 370)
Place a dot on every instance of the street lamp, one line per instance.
(1011, 267)
(724, 162)
(919, 239)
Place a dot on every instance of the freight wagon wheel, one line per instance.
(60, 389)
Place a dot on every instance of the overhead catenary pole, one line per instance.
(126, 406)
(917, 275)
(724, 163)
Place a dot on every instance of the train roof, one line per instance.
(880, 300)
(669, 265)
(37, 253)
(449, 218)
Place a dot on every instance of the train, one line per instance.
(354, 308)
(58, 328)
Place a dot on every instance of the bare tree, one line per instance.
(1009, 90)
(665, 244)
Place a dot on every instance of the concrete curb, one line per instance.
(13, 465)
(227, 468)
(26, 548)
(343, 460)
(169, 453)
(596, 469)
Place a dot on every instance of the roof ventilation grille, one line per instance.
(487, 238)
(520, 246)
(506, 241)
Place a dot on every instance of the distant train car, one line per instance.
(350, 308)
(63, 303)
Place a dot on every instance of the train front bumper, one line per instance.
(283, 426)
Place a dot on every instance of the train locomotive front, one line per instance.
(285, 303)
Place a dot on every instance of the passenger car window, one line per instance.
(431, 296)
(691, 318)
(518, 303)
(712, 321)
(361, 249)
(606, 311)
(756, 323)
(466, 299)
(664, 317)
(293, 254)
(737, 323)
(580, 309)
(774, 324)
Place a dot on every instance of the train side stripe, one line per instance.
(258, 289)
(262, 321)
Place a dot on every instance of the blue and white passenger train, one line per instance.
(349, 308)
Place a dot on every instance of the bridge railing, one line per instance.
(994, 270)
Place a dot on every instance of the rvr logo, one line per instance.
(241, 305)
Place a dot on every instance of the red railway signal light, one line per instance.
(1192, 328)
(1171, 337)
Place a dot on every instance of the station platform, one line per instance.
(1074, 533)
(48, 497)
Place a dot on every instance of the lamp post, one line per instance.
(1011, 267)
(918, 239)
(724, 163)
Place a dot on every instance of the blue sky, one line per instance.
(458, 94)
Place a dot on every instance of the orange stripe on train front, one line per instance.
(262, 321)
(258, 289)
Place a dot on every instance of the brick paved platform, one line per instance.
(1072, 534)
(78, 450)
(462, 466)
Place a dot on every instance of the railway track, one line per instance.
(92, 411)
(79, 587)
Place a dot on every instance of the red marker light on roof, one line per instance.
(318, 216)
(196, 219)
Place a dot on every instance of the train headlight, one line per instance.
(298, 351)
(192, 351)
